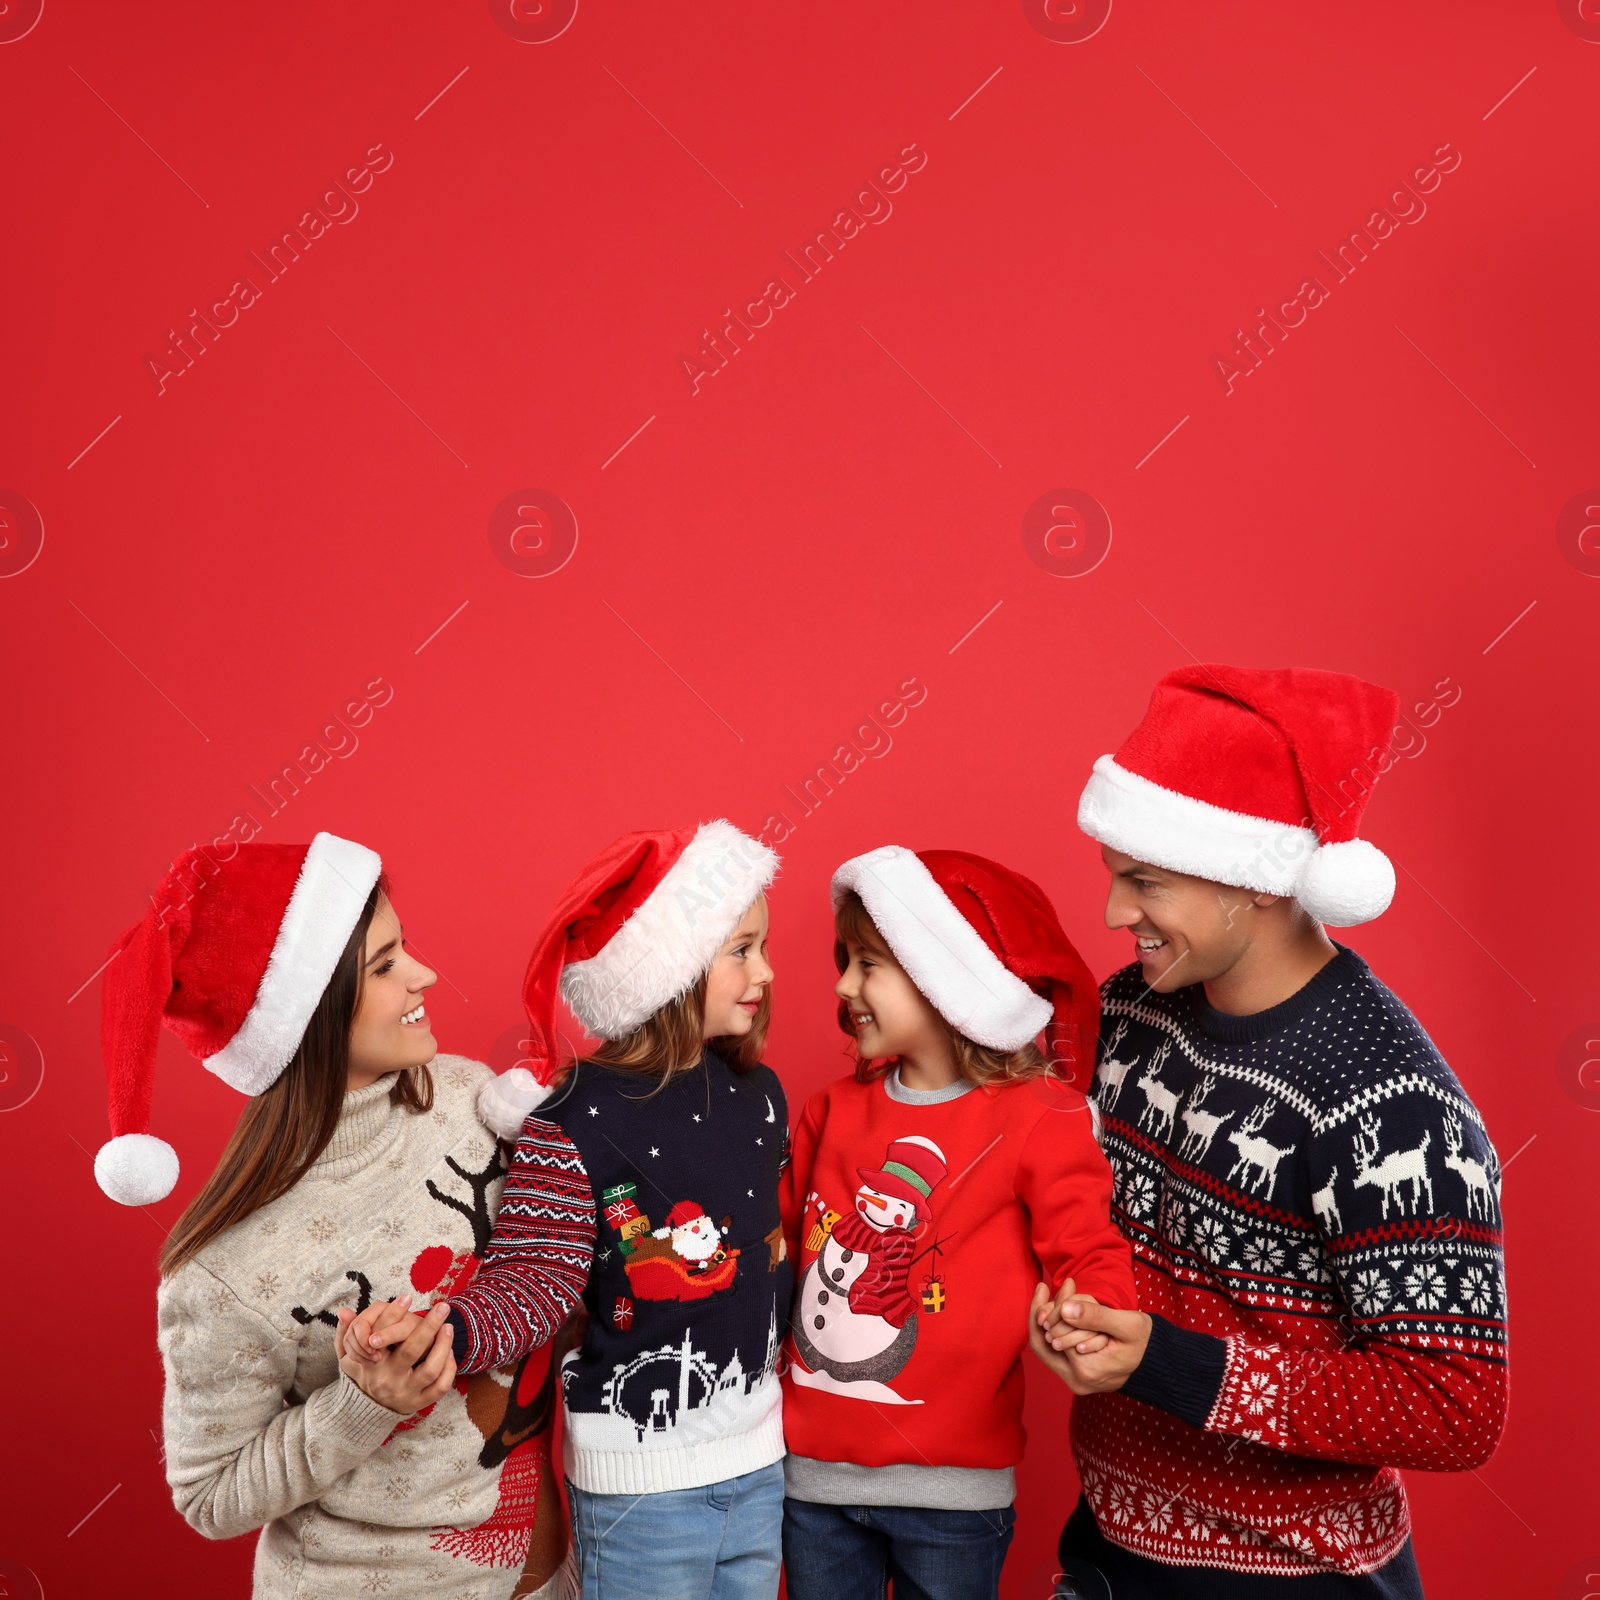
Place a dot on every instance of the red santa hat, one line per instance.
(233, 956)
(911, 1171)
(638, 926)
(984, 946)
(1257, 778)
(684, 1213)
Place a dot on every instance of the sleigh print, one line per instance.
(668, 1277)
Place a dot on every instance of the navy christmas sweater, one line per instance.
(1314, 1210)
(655, 1206)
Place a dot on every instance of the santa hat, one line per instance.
(912, 1170)
(984, 945)
(639, 926)
(685, 1212)
(1257, 778)
(233, 956)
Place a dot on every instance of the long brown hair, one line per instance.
(977, 1063)
(670, 1041)
(286, 1127)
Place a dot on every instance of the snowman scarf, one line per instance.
(880, 1291)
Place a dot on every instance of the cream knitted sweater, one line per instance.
(264, 1431)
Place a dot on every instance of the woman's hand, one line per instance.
(384, 1322)
(417, 1372)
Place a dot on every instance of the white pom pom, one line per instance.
(1344, 884)
(507, 1100)
(136, 1169)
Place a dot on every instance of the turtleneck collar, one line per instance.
(367, 1124)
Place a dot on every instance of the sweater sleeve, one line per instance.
(1420, 1382)
(1064, 1182)
(238, 1456)
(539, 1256)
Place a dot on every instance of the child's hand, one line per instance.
(1119, 1340)
(381, 1325)
(394, 1381)
(1055, 1327)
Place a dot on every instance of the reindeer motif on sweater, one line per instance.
(1312, 1200)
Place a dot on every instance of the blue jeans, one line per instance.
(855, 1552)
(720, 1542)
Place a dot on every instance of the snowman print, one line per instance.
(855, 1322)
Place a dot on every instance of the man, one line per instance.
(1312, 1200)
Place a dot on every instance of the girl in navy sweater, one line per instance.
(644, 1187)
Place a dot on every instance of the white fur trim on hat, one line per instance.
(508, 1099)
(942, 953)
(1151, 823)
(663, 949)
(136, 1169)
(335, 880)
(1340, 884)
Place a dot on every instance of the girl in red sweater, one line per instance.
(924, 1196)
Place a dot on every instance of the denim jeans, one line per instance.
(855, 1552)
(720, 1542)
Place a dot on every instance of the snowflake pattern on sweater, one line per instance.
(1313, 1205)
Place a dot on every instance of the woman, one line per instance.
(359, 1170)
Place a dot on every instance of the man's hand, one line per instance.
(1093, 1349)
(398, 1384)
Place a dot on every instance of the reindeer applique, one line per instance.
(1257, 1166)
(1161, 1103)
(1200, 1127)
(1325, 1205)
(527, 1528)
(1113, 1072)
(1481, 1187)
(1389, 1172)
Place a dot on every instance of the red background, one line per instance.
(831, 514)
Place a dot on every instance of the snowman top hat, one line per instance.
(911, 1171)
(639, 926)
(984, 946)
(1256, 778)
(233, 956)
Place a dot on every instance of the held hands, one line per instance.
(382, 1324)
(1092, 1348)
(417, 1371)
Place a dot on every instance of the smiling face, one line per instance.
(884, 1211)
(391, 1029)
(738, 980)
(888, 1013)
(1186, 930)
(697, 1240)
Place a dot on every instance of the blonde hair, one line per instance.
(670, 1041)
(977, 1063)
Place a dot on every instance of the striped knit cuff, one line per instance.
(1181, 1373)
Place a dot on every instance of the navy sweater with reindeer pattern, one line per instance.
(1313, 1205)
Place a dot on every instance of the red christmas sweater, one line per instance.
(919, 1232)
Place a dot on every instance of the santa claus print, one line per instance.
(855, 1322)
(695, 1237)
(685, 1260)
